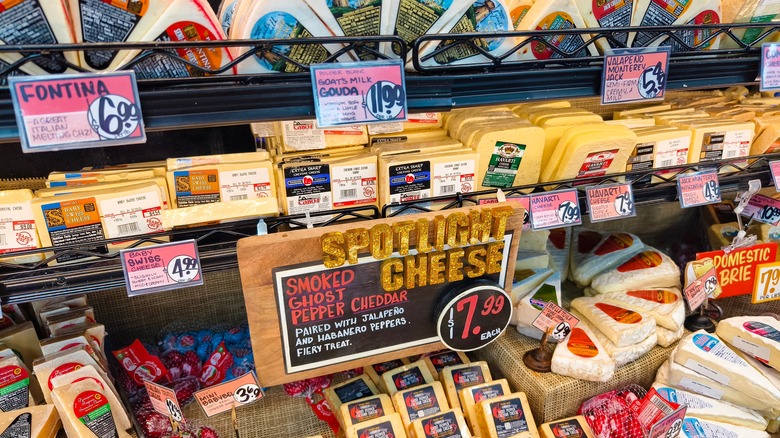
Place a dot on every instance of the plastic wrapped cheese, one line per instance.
(420, 402)
(668, 337)
(207, 214)
(449, 423)
(622, 326)
(648, 269)
(440, 359)
(530, 306)
(62, 363)
(353, 389)
(456, 377)
(376, 370)
(91, 373)
(558, 246)
(665, 305)
(469, 397)
(620, 355)
(39, 421)
(581, 356)
(613, 250)
(694, 427)
(15, 382)
(17, 226)
(364, 409)
(758, 336)
(407, 376)
(506, 416)
(86, 410)
(388, 426)
(566, 427)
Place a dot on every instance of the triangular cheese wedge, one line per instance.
(85, 410)
(582, 356)
(665, 305)
(554, 15)
(33, 422)
(607, 14)
(622, 326)
(15, 388)
(613, 250)
(668, 337)
(758, 336)
(695, 428)
(62, 363)
(558, 246)
(648, 269)
(710, 409)
(91, 373)
(410, 19)
(582, 243)
(530, 306)
(526, 281)
(621, 355)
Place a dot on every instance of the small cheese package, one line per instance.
(376, 370)
(407, 376)
(86, 410)
(73, 359)
(210, 183)
(582, 356)
(420, 402)
(648, 269)
(58, 344)
(440, 359)
(17, 226)
(388, 426)
(365, 409)
(31, 422)
(14, 385)
(566, 427)
(506, 416)
(353, 389)
(91, 373)
(754, 335)
(469, 397)
(456, 377)
(449, 423)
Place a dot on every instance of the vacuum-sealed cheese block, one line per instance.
(554, 133)
(410, 19)
(506, 416)
(388, 426)
(14, 385)
(590, 154)
(530, 306)
(458, 123)
(648, 269)
(622, 326)
(375, 371)
(545, 114)
(581, 356)
(620, 355)
(554, 15)
(525, 282)
(56, 190)
(524, 110)
(558, 246)
(31, 422)
(351, 390)
(710, 409)
(402, 137)
(767, 141)
(17, 226)
(54, 345)
(420, 402)
(469, 397)
(644, 110)
(659, 149)
(23, 339)
(423, 146)
(719, 140)
(448, 424)
(509, 156)
(95, 333)
(654, 13)
(566, 427)
(90, 178)
(207, 184)
(365, 409)
(440, 359)
(90, 373)
(407, 376)
(609, 14)
(303, 135)
(86, 410)
(758, 336)
(457, 377)
(202, 160)
(632, 123)
(613, 250)
(666, 306)
(332, 154)
(668, 337)
(693, 428)
(62, 363)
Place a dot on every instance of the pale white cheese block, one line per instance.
(530, 306)
(622, 326)
(707, 355)
(559, 246)
(668, 337)
(582, 356)
(710, 409)
(758, 336)
(694, 428)
(613, 250)
(532, 260)
(620, 355)
(665, 305)
(531, 240)
(527, 280)
(648, 269)
(582, 243)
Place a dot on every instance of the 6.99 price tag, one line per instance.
(80, 111)
(359, 93)
(162, 267)
(555, 209)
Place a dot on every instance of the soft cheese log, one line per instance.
(665, 305)
(694, 427)
(648, 269)
(620, 355)
(582, 356)
(707, 355)
(41, 422)
(622, 326)
(509, 156)
(89, 372)
(711, 409)
(554, 15)
(613, 250)
(758, 336)
(609, 14)
(17, 226)
(85, 410)
(530, 306)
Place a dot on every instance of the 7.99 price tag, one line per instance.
(472, 315)
(767, 287)
(610, 202)
(359, 93)
(59, 112)
(162, 267)
(555, 209)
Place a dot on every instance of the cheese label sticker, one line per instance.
(659, 13)
(93, 410)
(770, 66)
(237, 185)
(659, 296)
(195, 187)
(613, 243)
(759, 352)
(139, 213)
(767, 283)
(281, 25)
(358, 19)
(465, 377)
(353, 391)
(518, 14)
(302, 135)
(683, 398)
(381, 368)
(158, 66)
(481, 17)
(21, 427)
(365, 410)
(443, 426)
(124, 16)
(643, 260)
(508, 418)
(774, 166)
(763, 209)
(695, 38)
(701, 388)
(546, 294)
(712, 345)
(408, 379)
(14, 388)
(619, 314)
(565, 43)
(613, 14)
(555, 209)
(610, 202)
(597, 163)
(567, 429)
(415, 18)
(161, 267)
(454, 177)
(381, 430)
(445, 359)
(410, 182)
(693, 428)
(580, 344)
(487, 392)
(17, 228)
(503, 165)
(421, 403)
(635, 74)
(354, 185)
(308, 188)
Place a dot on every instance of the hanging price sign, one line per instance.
(221, 398)
(698, 189)
(610, 202)
(80, 111)
(774, 167)
(556, 317)
(359, 93)
(670, 426)
(767, 287)
(161, 267)
(164, 401)
(635, 74)
(763, 209)
(701, 288)
(770, 67)
(555, 209)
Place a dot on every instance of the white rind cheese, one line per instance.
(530, 306)
(526, 281)
(582, 356)
(648, 269)
(622, 326)
(694, 428)
(665, 305)
(668, 337)
(558, 246)
(620, 355)
(758, 336)
(613, 250)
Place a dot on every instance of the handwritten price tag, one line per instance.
(774, 167)
(555, 209)
(60, 112)
(611, 202)
(763, 209)
(237, 392)
(767, 287)
(698, 189)
(164, 401)
(670, 426)
(701, 288)
(359, 93)
(161, 267)
(636, 74)
(770, 67)
(553, 315)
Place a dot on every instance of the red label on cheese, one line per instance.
(63, 369)
(619, 314)
(580, 344)
(643, 260)
(139, 364)
(613, 243)
(597, 163)
(216, 366)
(602, 8)
(209, 58)
(660, 296)
(567, 429)
(558, 238)
(587, 240)
(14, 388)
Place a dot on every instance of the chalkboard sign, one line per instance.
(307, 319)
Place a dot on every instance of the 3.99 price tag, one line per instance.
(555, 209)
(610, 202)
(80, 111)
(162, 267)
(241, 391)
(767, 287)
(472, 315)
(359, 93)
(635, 74)
(698, 189)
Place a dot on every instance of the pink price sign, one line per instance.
(763, 209)
(774, 167)
(77, 111)
(770, 67)
(610, 202)
(555, 209)
(636, 74)
(698, 189)
(359, 93)
(162, 267)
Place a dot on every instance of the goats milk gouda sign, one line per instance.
(737, 269)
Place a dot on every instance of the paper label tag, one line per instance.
(59, 112)
(137, 213)
(359, 93)
(670, 426)
(758, 351)
(555, 209)
(164, 401)
(237, 185)
(701, 388)
(223, 397)
(770, 67)
(610, 202)
(698, 189)
(161, 267)
(17, 228)
(302, 135)
(767, 285)
(763, 209)
(453, 177)
(386, 128)
(699, 289)
(555, 316)
(354, 185)
(636, 74)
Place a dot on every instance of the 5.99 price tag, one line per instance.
(610, 202)
(162, 267)
(359, 93)
(555, 209)
(635, 74)
(80, 111)
(698, 189)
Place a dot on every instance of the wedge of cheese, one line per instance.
(506, 416)
(361, 19)
(567, 427)
(620, 355)
(525, 282)
(91, 373)
(582, 356)
(767, 141)
(351, 390)
(365, 409)
(33, 422)
(620, 325)
(583, 242)
(532, 260)
(448, 423)
(456, 377)
(707, 355)
(469, 397)
(63, 363)
(85, 410)
(607, 15)
(668, 337)
(591, 153)
(694, 427)
(15, 379)
(648, 269)
(23, 339)
(613, 250)
(420, 402)
(554, 15)
(710, 409)
(758, 336)
(530, 306)
(441, 359)
(409, 19)
(651, 13)
(531, 240)
(666, 306)
(17, 226)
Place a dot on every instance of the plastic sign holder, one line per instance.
(770, 67)
(635, 75)
(163, 267)
(610, 202)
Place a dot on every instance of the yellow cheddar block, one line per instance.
(567, 427)
(420, 402)
(767, 141)
(552, 136)
(365, 409)
(376, 370)
(426, 146)
(85, 410)
(407, 376)
(72, 359)
(719, 139)
(461, 122)
(318, 155)
(632, 123)
(387, 426)
(510, 414)
(456, 377)
(158, 167)
(469, 397)
(448, 423)
(207, 214)
(212, 183)
(440, 359)
(640, 111)
(209, 160)
(42, 422)
(422, 121)
(17, 226)
(351, 390)
(59, 191)
(89, 372)
(659, 148)
(590, 151)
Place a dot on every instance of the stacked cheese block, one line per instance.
(437, 393)
(729, 380)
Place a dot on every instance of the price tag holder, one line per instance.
(699, 188)
(701, 288)
(221, 398)
(767, 287)
(770, 67)
(606, 203)
(555, 316)
(164, 401)
(555, 209)
(359, 93)
(774, 167)
(763, 209)
(669, 426)
(635, 75)
(59, 112)
(159, 268)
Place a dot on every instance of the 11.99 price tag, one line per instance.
(610, 202)
(162, 267)
(555, 209)
(697, 189)
(59, 112)
(359, 93)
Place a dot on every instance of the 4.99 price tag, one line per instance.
(555, 209)
(60, 112)
(162, 267)
(698, 189)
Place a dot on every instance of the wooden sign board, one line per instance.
(377, 297)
